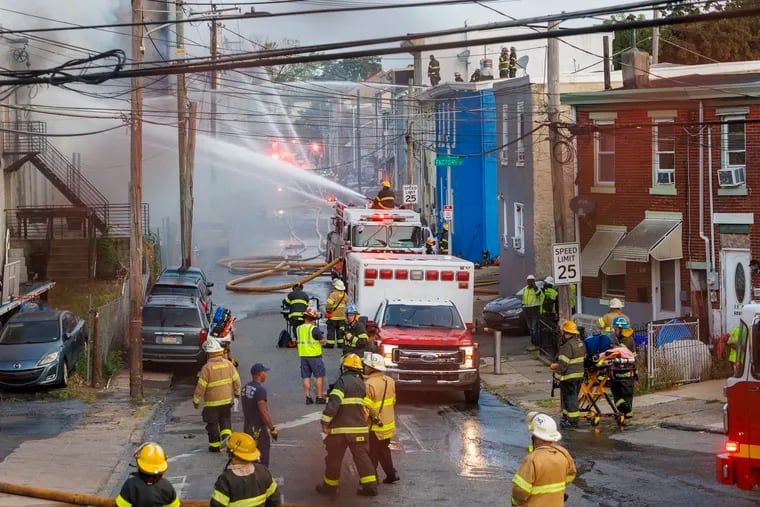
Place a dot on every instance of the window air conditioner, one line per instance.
(732, 176)
(517, 243)
(666, 176)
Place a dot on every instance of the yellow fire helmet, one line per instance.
(243, 446)
(387, 184)
(352, 361)
(151, 459)
(570, 327)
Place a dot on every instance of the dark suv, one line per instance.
(172, 285)
(173, 329)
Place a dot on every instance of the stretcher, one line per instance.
(594, 389)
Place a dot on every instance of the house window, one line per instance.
(504, 134)
(518, 240)
(732, 172)
(613, 286)
(520, 156)
(664, 144)
(604, 146)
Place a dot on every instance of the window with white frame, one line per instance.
(664, 146)
(519, 131)
(733, 143)
(604, 150)
(518, 240)
(504, 134)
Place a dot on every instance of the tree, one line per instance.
(354, 69)
(289, 71)
(640, 38)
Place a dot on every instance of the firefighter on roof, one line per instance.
(386, 198)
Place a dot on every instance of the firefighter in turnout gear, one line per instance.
(309, 340)
(569, 371)
(434, 71)
(623, 379)
(147, 487)
(297, 302)
(504, 63)
(604, 323)
(443, 241)
(218, 383)
(512, 62)
(381, 394)
(357, 338)
(336, 314)
(386, 198)
(346, 424)
(548, 468)
(244, 482)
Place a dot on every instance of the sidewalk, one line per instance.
(525, 381)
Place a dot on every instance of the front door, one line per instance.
(666, 289)
(735, 285)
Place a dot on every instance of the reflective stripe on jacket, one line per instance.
(347, 406)
(572, 353)
(381, 409)
(531, 296)
(258, 488)
(386, 198)
(336, 305)
(298, 302)
(543, 476)
(218, 382)
(434, 68)
(604, 323)
(504, 63)
(135, 492)
(308, 346)
(443, 243)
(549, 297)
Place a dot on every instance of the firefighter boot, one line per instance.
(367, 491)
(325, 490)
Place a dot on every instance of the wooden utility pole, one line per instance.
(184, 227)
(190, 165)
(557, 166)
(215, 75)
(409, 134)
(135, 201)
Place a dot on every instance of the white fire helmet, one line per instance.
(211, 346)
(616, 303)
(374, 361)
(544, 427)
(338, 284)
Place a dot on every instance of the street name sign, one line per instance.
(448, 160)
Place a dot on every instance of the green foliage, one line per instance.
(290, 72)
(354, 69)
(112, 364)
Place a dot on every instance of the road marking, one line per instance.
(403, 419)
(308, 418)
(186, 455)
(179, 482)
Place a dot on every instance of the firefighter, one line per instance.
(357, 339)
(309, 340)
(381, 394)
(512, 62)
(336, 314)
(504, 63)
(548, 468)
(569, 371)
(296, 301)
(458, 77)
(475, 76)
(622, 378)
(147, 487)
(731, 343)
(257, 421)
(244, 481)
(429, 247)
(531, 306)
(604, 323)
(443, 241)
(386, 198)
(345, 422)
(218, 383)
(434, 71)
(623, 333)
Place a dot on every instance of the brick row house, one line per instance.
(666, 173)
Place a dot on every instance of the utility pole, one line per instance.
(655, 39)
(358, 138)
(409, 134)
(184, 198)
(557, 165)
(135, 200)
(215, 74)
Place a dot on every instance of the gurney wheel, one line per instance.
(620, 421)
(596, 420)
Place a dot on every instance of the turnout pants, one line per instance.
(218, 424)
(336, 329)
(380, 452)
(622, 392)
(569, 391)
(336, 446)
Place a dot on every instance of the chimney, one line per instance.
(635, 65)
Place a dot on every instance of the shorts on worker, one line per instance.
(312, 366)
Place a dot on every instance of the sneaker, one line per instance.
(310, 401)
(325, 490)
(321, 401)
(367, 491)
(391, 479)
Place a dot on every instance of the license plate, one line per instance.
(169, 340)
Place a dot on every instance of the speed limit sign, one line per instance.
(410, 194)
(566, 259)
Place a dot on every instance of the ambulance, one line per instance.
(739, 464)
(419, 312)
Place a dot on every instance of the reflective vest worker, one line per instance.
(357, 338)
(569, 371)
(434, 71)
(443, 241)
(531, 305)
(296, 301)
(345, 422)
(336, 314)
(244, 482)
(549, 298)
(604, 323)
(386, 198)
(512, 62)
(147, 487)
(504, 63)
(381, 395)
(218, 383)
(309, 340)
(546, 470)
(731, 343)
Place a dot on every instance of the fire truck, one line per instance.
(419, 311)
(360, 229)
(739, 464)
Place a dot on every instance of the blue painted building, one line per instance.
(465, 126)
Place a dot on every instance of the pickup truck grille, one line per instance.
(416, 359)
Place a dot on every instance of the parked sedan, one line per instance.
(40, 348)
(505, 313)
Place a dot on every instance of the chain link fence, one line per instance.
(675, 353)
(108, 326)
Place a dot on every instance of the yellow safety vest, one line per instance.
(307, 345)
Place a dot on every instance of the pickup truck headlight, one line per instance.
(469, 356)
(387, 351)
(49, 358)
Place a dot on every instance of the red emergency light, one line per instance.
(386, 274)
(731, 446)
(431, 276)
(402, 274)
(370, 274)
(463, 276)
(447, 276)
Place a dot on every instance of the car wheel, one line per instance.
(472, 395)
(63, 381)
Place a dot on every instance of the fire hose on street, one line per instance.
(68, 498)
(266, 268)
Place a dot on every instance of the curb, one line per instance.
(690, 427)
